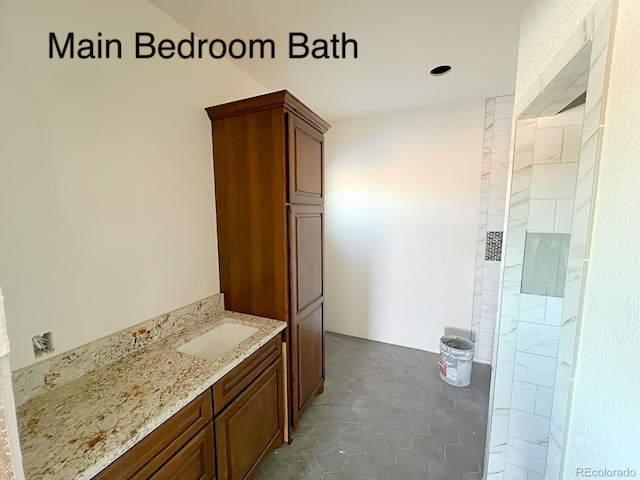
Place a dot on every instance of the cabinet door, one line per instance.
(307, 296)
(195, 461)
(305, 162)
(251, 426)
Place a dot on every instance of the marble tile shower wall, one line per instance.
(546, 155)
(556, 152)
(495, 163)
(591, 138)
(508, 456)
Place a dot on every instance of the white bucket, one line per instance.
(456, 360)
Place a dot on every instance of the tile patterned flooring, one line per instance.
(385, 414)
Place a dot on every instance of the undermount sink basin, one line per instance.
(217, 341)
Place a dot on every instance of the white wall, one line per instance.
(106, 201)
(603, 422)
(401, 223)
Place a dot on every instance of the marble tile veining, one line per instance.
(554, 181)
(76, 430)
(535, 369)
(538, 339)
(548, 146)
(523, 397)
(529, 427)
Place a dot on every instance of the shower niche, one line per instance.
(544, 269)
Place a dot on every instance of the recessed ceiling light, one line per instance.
(440, 70)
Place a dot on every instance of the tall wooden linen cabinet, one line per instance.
(268, 154)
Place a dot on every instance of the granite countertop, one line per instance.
(79, 428)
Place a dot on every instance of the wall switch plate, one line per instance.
(42, 344)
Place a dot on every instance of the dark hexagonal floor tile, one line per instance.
(473, 440)
(382, 456)
(467, 408)
(386, 414)
(472, 476)
(322, 413)
(456, 393)
(442, 401)
(478, 397)
(430, 447)
(359, 467)
(444, 432)
(386, 373)
(419, 426)
(398, 436)
(306, 424)
(430, 385)
(345, 416)
(326, 433)
(394, 388)
(302, 469)
(259, 475)
(403, 404)
(413, 459)
(330, 458)
(440, 470)
(407, 380)
(335, 476)
(303, 447)
(464, 458)
(352, 441)
(407, 468)
(416, 393)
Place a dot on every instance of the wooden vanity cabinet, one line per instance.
(249, 406)
(182, 447)
(193, 461)
(228, 430)
(268, 155)
(250, 427)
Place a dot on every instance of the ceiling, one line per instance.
(398, 43)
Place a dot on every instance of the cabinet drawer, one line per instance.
(234, 382)
(153, 451)
(194, 461)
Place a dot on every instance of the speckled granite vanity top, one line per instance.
(77, 429)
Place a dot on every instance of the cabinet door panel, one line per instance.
(194, 461)
(310, 347)
(306, 153)
(307, 255)
(251, 426)
(307, 324)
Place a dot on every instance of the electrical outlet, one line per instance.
(42, 344)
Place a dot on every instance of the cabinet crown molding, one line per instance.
(280, 99)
